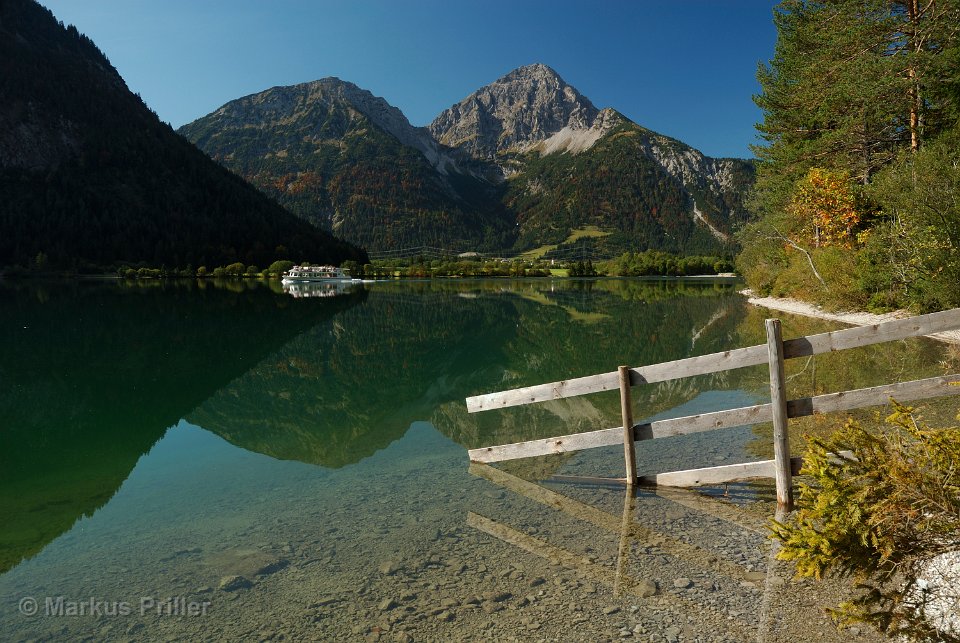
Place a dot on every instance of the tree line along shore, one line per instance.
(630, 264)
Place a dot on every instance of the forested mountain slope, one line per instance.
(346, 160)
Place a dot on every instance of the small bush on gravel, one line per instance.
(879, 518)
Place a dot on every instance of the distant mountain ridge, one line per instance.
(523, 162)
(558, 151)
(90, 177)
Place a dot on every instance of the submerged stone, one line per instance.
(646, 588)
(233, 583)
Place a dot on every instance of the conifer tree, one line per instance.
(852, 87)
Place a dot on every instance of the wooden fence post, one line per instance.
(626, 412)
(778, 403)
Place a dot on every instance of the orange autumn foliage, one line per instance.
(825, 204)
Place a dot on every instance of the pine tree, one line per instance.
(851, 83)
(854, 85)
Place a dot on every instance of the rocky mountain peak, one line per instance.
(379, 111)
(523, 108)
(302, 102)
(536, 70)
(304, 107)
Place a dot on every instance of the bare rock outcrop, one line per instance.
(527, 106)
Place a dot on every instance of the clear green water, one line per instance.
(156, 441)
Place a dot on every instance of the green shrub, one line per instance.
(878, 516)
(277, 268)
(838, 267)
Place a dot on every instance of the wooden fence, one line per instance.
(779, 410)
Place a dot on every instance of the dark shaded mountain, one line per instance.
(348, 161)
(90, 176)
(523, 162)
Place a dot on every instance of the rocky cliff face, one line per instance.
(703, 178)
(688, 165)
(526, 107)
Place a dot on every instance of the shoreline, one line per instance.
(853, 318)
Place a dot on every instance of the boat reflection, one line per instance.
(303, 289)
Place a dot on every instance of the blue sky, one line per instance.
(684, 68)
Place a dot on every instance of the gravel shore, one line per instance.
(854, 318)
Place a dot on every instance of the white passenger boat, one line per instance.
(315, 273)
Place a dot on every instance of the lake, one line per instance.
(184, 461)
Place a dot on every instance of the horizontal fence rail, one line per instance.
(725, 361)
(721, 474)
(743, 416)
(778, 411)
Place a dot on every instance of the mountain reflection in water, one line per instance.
(93, 374)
